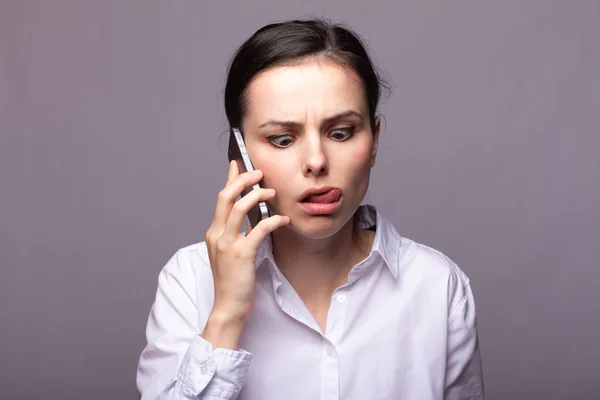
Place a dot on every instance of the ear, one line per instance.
(376, 131)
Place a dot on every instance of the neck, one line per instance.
(315, 268)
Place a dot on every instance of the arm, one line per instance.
(464, 377)
(177, 362)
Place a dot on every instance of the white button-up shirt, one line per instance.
(402, 327)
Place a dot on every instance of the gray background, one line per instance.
(110, 160)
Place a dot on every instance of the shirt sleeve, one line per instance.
(464, 376)
(177, 363)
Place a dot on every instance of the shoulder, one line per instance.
(432, 263)
(195, 254)
(435, 273)
(189, 264)
(187, 278)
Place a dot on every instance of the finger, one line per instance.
(231, 175)
(264, 227)
(243, 206)
(248, 228)
(217, 224)
(228, 194)
(233, 172)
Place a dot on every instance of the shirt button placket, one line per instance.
(330, 383)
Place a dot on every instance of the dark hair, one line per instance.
(292, 42)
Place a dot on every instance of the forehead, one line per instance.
(309, 90)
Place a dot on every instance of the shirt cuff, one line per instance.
(216, 374)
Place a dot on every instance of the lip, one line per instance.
(321, 208)
(312, 191)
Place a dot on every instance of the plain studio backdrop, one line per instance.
(111, 156)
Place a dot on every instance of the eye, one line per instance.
(281, 141)
(341, 134)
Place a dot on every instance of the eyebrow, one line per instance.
(327, 121)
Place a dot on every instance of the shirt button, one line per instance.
(204, 369)
(331, 352)
(341, 299)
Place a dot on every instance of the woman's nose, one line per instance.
(315, 162)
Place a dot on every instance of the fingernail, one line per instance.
(256, 172)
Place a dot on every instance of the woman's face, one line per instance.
(307, 128)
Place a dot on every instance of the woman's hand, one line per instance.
(232, 256)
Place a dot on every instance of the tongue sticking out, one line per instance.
(327, 197)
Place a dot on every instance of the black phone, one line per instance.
(237, 151)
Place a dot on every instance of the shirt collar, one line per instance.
(386, 243)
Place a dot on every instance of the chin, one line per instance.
(315, 233)
(317, 227)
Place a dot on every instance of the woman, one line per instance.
(324, 299)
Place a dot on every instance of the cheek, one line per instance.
(361, 158)
(274, 172)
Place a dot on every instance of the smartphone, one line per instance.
(237, 151)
